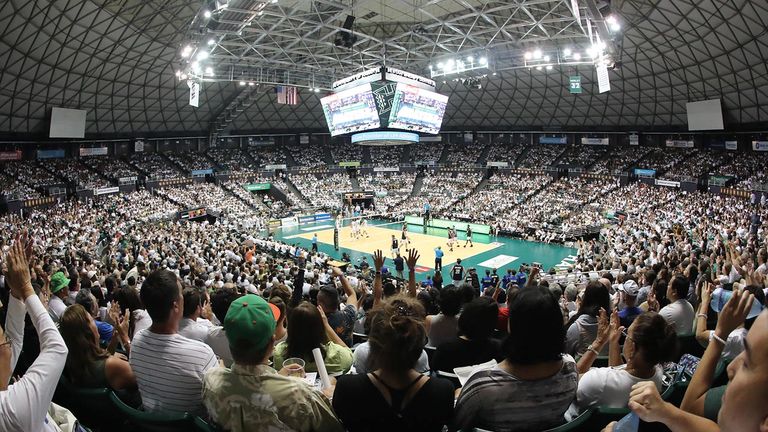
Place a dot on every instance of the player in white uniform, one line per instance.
(364, 228)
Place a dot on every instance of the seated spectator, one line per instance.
(534, 385)
(251, 396)
(189, 326)
(582, 327)
(679, 311)
(89, 365)
(394, 396)
(474, 344)
(128, 299)
(650, 341)
(444, 326)
(88, 302)
(59, 295)
(309, 329)
(169, 368)
(341, 321)
(629, 292)
(217, 337)
(744, 402)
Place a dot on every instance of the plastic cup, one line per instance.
(295, 367)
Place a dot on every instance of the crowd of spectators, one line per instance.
(111, 167)
(503, 152)
(344, 151)
(13, 188)
(323, 191)
(748, 169)
(464, 154)
(268, 155)
(235, 161)
(308, 156)
(73, 171)
(426, 152)
(390, 188)
(705, 162)
(190, 161)
(664, 159)
(386, 156)
(441, 190)
(541, 156)
(583, 156)
(618, 158)
(155, 166)
(30, 173)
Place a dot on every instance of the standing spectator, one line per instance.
(399, 266)
(24, 404)
(314, 242)
(252, 395)
(679, 311)
(534, 385)
(169, 367)
(394, 396)
(341, 321)
(457, 272)
(437, 280)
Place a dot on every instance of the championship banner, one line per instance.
(93, 151)
(194, 93)
(680, 143)
(574, 84)
(760, 145)
(603, 80)
(595, 141)
(10, 155)
(138, 146)
(634, 139)
(731, 145)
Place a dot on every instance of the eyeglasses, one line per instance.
(626, 335)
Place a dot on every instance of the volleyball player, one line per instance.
(451, 239)
(395, 247)
(469, 237)
(404, 237)
(364, 228)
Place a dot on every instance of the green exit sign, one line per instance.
(575, 84)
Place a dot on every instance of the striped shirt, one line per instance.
(497, 400)
(169, 369)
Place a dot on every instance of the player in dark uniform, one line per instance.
(404, 237)
(469, 237)
(395, 247)
(457, 272)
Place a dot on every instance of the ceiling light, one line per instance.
(528, 55)
(202, 55)
(483, 60)
(549, 67)
(567, 52)
(546, 58)
(274, 1)
(470, 59)
(211, 41)
(242, 83)
(577, 56)
(209, 71)
(537, 54)
(538, 68)
(494, 74)
(183, 76)
(251, 83)
(613, 23)
(195, 65)
(207, 13)
(441, 65)
(317, 90)
(186, 51)
(261, 13)
(178, 73)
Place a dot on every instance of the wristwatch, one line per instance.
(591, 348)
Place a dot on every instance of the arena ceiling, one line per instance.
(119, 59)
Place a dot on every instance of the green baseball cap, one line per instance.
(58, 281)
(251, 318)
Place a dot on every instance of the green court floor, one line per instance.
(504, 252)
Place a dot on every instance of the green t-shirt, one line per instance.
(713, 400)
(338, 359)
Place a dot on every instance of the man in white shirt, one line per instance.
(679, 312)
(59, 292)
(169, 367)
(191, 326)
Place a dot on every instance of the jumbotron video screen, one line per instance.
(417, 109)
(351, 110)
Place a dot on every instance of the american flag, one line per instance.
(287, 95)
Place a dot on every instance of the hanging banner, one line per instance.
(10, 155)
(194, 93)
(553, 140)
(760, 145)
(641, 172)
(680, 143)
(138, 146)
(575, 84)
(50, 154)
(106, 190)
(603, 81)
(634, 139)
(731, 145)
(386, 169)
(303, 139)
(498, 164)
(257, 187)
(276, 167)
(668, 183)
(595, 141)
(93, 151)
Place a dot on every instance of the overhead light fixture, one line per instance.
(251, 83)
(470, 59)
(528, 55)
(211, 41)
(207, 13)
(494, 74)
(546, 58)
(261, 13)
(183, 76)
(577, 56)
(567, 52)
(549, 67)
(178, 73)
(274, 1)
(209, 70)
(186, 51)
(483, 60)
(537, 54)
(316, 90)
(538, 68)
(613, 23)
(242, 83)
(202, 55)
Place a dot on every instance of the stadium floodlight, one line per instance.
(251, 83)
(567, 52)
(183, 76)
(470, 59)
(202, 55)
(538, 68)
(546, 58)
(242, 83)
(613, 23)
(528, 55)
(483, 61)
(441, 65)
(207, 13)
(186, 51)
(209, 70)
(549, 67)
(577, 56)
(537, 54)
(211, 41)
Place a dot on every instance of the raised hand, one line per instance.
(413, 257)
(734, 313)
(645, 401)
(336, 272)
(19, 279)
(706, 293)
(603, 328)
(615, 328)
(378, 260)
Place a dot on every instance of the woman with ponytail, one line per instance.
(394, 397)
(650, 341)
